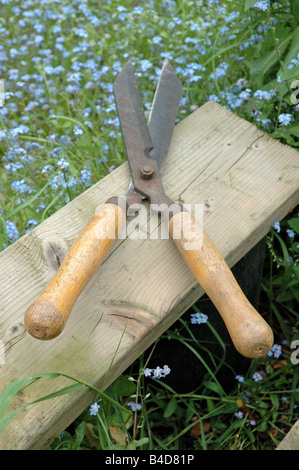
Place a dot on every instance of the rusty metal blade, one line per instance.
(164, 113)
(145, 171)
(131, 114)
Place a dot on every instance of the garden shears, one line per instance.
(147, 145)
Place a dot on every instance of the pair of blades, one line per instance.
(147, 144)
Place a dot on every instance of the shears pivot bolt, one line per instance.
(146, 172)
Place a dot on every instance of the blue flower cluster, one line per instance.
(263, 5)
(257, 377)
(134, 406)
(158, 372)
(94, 408)
(294, 62)
(198, 318)
(290, 232)
(220, 71)
(275, 351)
(284, 119)
(12, 231)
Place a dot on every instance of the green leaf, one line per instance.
(92, 436)
(79, 435)
(250, 435)
(249, 4)
(274, 400)
(294, 47)
(283, 133)
(210, 405)
(214, 387)
(15, 387)
(262, 427)
(263, 405)
(294, 223)
(124, 387)
(227, 408)
(295, 247)
(28, 202)
(262, 65)
(88, 148)
(120, 418)
(170, 408)
(69, 119)
(134, 444)
(289, 74)
(284, 297)
(287, 262)
(295, 9)
(52, 203)
(11, 391)
(4, 422)
(294, 130)
(190, 412)
(58, 393)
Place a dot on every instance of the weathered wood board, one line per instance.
(291, 440)
(246, 181)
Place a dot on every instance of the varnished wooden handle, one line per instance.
(250, 333)
(47, 316)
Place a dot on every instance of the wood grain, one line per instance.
(291, 439)
(244, 179)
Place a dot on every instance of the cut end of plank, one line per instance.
(44, 322)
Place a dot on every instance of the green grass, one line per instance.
(59, 134)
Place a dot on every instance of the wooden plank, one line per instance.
(291, 440)
(246, 181)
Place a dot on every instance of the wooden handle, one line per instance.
(249, 332)
(47, 316)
